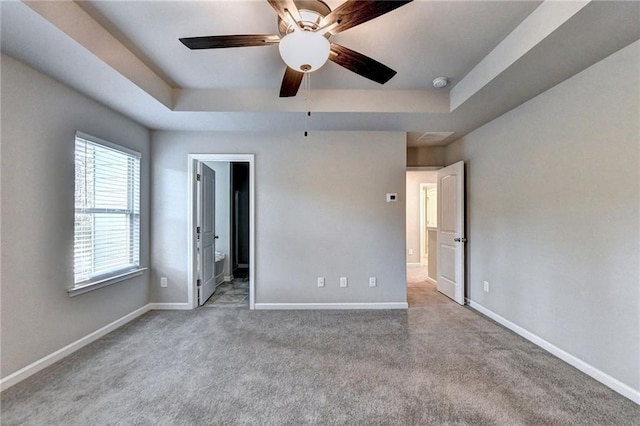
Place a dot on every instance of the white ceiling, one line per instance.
(127, 56)
(421, 41)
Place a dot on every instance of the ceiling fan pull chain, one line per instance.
(307, 95)
(307, 85)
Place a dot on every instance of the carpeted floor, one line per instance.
(422, 293)
(436, 364)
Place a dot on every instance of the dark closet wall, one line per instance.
(240, 214)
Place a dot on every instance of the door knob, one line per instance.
(460, 240)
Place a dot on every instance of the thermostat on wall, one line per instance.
(392, 198)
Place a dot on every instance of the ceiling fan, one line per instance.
(305, 28)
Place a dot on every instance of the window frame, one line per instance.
(115, 276)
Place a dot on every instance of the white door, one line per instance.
(451, 238)
(206, 236)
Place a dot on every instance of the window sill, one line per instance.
(75, 291)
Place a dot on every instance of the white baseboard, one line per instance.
(308, 306)
(623, 389)
(414, 264)
(228, 278)
(432, 281)
(170, 306)
(56, 356)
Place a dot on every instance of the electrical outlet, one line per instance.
(373, 282)
(343, 281)
(486, 286)
(320, 281)
(163, 282)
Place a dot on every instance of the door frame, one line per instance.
(192, 210)
(423, 217)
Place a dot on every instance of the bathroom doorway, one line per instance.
(232, 214)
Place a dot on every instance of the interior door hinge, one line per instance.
(198, 177)
(198, 229)
(198, 282)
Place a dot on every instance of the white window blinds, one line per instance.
(107, 210)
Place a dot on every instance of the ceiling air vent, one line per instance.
(432, 138)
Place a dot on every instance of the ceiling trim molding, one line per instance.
(69, 18)
(543, 21)
(255, 100)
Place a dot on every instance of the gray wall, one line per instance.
(553, 214)
(432, 156)
(320, 211)
(39, 121)
(414, 179)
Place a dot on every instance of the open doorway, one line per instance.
(221, 224)
(227, 285)
(421, 237)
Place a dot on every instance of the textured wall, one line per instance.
(553, 213)
(431, 156)
(320, 211)
(39, 121)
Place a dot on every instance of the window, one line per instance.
(107, 211)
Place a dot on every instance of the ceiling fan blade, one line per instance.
(281, 7)
(290, 83)
(355, 12)
(223, 41)
(360, 64)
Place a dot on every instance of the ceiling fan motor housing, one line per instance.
(311, 11)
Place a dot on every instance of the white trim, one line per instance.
(432, 281)
(170, 306)
(228, 278)
(252, 231)
(193, 159)
(423, 168)
(56, 356)
(108, 144)
(81, 289)
(309, 306)
(414, 264)
(623, 389)
(423, 218)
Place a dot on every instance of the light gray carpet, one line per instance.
(440, 364)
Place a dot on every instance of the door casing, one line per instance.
(192, 210)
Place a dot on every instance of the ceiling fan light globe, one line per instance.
(304, 51)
